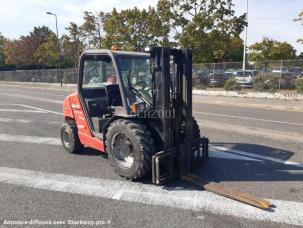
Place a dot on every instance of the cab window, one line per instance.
(98, 71)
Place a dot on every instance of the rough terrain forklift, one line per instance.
(137, 108)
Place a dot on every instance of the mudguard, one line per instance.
(72, 109)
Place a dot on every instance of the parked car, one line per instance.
(230, 71)
(245, 79)
(229, 75)
(287, 81)
(295, 71)
(255, 72)
(265, 70)
(200, 77)
(242, 73)
(216, 80)
(281, 70)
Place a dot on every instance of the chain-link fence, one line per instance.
(260, 75)
(43, 75)
(280, 74)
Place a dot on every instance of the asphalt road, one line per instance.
(256, 146)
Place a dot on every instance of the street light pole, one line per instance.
(58, 50)
(245, 39)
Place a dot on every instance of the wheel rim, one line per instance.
(66, 138)
(122, 151)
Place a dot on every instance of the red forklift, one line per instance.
(137, 108)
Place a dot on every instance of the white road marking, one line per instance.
(41, 109)
(215, 151)
(287, 212)
(30, 139)
(249, 118)
(257, 156)
(223, 155)
(31, 92)
(21, 110)
(283, 136)
(27, 121)
(237, 103)
(55, 123)
(23, 96)
(7, 120)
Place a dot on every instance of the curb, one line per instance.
(39, 84)
(279, 96)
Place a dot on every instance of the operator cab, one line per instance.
(113, 83)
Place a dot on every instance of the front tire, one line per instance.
(69, 137)
(195, 129)
(130, 147)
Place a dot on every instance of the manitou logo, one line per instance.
(75, 106)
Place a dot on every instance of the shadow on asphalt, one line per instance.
(217, 169)
(91, 152)
(228, 170)
(257, 149)
(224, 170)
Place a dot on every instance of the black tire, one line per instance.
(196, 133)
(69, 137)
(130, 147)
(195, 129)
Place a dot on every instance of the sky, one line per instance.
(267, 18)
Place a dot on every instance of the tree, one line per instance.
(46, 54)
(27, 46)
(300, 56)
(11, 52)
(92, 29)
(19, 52)
(72, 45)
(300, 19)
(206, 26)
(233, 51)
(2, 44)
(40, 35)
(71, 51)
(134, 29)
(22, 51)
(269, 49)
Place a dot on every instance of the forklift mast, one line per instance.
(172, 96)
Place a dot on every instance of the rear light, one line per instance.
(134, 108)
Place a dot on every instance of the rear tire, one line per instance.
(69, 137)
(130, 147)
(195, 129)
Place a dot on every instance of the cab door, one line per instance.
(96, 72)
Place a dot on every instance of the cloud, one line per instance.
(272, 19)
(19, 17)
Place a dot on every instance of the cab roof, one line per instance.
(107, 51)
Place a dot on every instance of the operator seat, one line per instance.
(113, 95)
(96, 101)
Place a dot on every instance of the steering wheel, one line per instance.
(140, 85)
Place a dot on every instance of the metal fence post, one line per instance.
(75, 72)
(214, 75)
(281, 65)
(224, 67)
